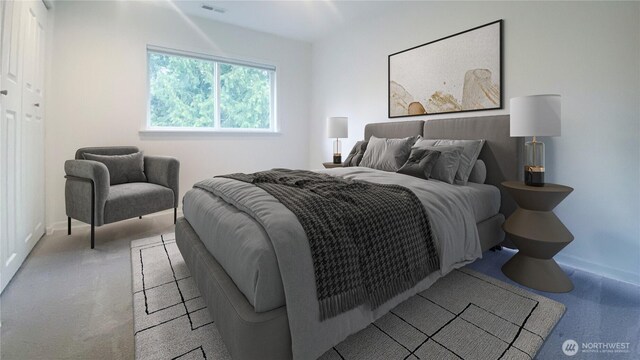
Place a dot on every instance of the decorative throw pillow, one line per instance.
(122, 168)
(355, 156)
(478, 173)
(420, 163)
(387, 154)
(447, 164)
(471, 150)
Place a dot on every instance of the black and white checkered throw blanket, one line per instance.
(369, 242)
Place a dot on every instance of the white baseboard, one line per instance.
(75, 224)
(598, 269)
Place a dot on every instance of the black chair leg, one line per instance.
(175, 215)
(93, 208)
(93, 214)
(139, 217)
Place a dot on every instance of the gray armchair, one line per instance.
(90, 197)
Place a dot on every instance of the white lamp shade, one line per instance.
(535, 115)
(337, 127)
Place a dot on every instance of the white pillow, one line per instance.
(468, 158)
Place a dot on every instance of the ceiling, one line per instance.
(307, 20)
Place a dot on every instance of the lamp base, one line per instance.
(337, 158)
(534, 175)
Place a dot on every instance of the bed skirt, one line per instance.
(246, 333)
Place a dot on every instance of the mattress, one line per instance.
(250, 260)
(484, 198)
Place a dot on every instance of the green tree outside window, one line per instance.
(183, 93)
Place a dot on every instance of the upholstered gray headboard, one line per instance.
(396, 129)
(501, 153)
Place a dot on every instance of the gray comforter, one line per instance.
(369, 242)
(452, 220)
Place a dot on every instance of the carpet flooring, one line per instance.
(171, 320)
(599, 310)
(70, 302)
(465, 315)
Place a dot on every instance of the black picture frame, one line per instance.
(393, 95)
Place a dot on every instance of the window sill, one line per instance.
(206, 132)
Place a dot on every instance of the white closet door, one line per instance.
(11, 119)
(22, 133)
(32, 130)
(3, 200)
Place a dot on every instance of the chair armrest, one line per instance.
(88, 169)
(165, 171)
(80, 174)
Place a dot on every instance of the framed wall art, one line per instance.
(458, 73)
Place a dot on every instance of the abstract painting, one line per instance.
(458, 73)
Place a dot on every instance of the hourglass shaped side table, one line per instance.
(539, 235)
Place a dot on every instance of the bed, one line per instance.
(240, 280)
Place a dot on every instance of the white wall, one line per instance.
(587, 52)
(97, 91)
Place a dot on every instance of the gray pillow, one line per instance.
(468, 158)
(420, 163)
(448, 162)
(355, 156)
(478, 173)
(387, 154)
(122, 168)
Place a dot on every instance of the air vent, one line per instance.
(214, 8)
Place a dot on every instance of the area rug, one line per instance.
(465, 315)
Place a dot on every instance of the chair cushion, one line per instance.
(130, 200)
(122, 168)
(106, 150)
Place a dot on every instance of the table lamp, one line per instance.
(535, 115)
(337, 128)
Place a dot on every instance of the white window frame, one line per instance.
(216, 128)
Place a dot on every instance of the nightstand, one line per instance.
(331, 165)
(539, 235)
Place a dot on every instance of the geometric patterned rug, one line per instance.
(169, 315)
(465, 315)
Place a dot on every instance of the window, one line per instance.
(197, 92)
